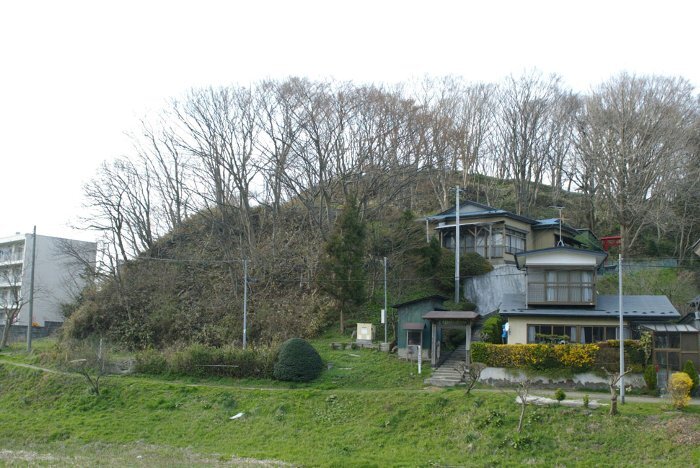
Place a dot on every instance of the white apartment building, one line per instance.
(58, 275)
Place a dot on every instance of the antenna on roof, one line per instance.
(560, 243)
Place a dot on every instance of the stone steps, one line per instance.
(449, 373)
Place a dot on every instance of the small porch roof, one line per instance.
(451, 315)
(413, 326)
(670, 328)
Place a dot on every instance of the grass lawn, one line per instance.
(367, 410)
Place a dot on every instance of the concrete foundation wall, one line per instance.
(19, 332)
(499, 376)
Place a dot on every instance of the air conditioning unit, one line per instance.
(365, 333)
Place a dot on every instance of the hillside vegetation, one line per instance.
(261, 179)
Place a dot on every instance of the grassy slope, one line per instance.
(350, 417)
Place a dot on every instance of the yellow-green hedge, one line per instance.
(578, 357)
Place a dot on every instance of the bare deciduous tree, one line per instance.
(633, 131)
(471, 374)
(11, 299)
(523, 391)
(613, 381)
(524, 133)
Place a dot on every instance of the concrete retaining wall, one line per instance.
(19, 332)
(499, 376)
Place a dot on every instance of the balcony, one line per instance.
(548, 293)
(10, 259)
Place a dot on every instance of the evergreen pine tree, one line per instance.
(343, 275)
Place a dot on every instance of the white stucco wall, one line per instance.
(56, 278)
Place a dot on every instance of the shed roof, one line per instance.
(413, 326)
(451, 315)
(434, 297)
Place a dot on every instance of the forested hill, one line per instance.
(262, 173)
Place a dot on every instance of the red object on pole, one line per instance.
(611, 241)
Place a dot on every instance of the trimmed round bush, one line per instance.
(298, 361)
(559, 395)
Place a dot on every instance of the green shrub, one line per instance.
(609, 355)
(473, 264)
(492, 329)
(298, 361)
(455, 337)
(575, 357)
(650, 377)
(689, 368)
(151, 362)
(586, 400)
(205, 361)
(559, 395)
(470, 264)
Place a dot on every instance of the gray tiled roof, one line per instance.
(637, 307)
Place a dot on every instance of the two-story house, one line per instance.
(496, 234)
(561, 303)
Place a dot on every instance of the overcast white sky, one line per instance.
(75, 76)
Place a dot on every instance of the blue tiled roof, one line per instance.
(487, 211)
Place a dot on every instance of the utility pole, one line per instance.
(30, 319)
(457, 245)
(386, 311)
(245, 302)
(622, 335)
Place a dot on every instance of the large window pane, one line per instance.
(674, 340)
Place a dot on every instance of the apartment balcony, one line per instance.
(11, 259)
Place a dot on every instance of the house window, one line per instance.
(515, 241)
(414, 337)
(667, 340)
(569, 287)
(551, 334)
(596, 334)
(546, 333)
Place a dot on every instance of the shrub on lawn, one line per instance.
(559, 395)
(689, 368)
(679, 388)
(298, 361)
(150, 361)
(650, 377)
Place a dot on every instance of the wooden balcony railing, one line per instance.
(561, 293)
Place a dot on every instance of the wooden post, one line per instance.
(468, 343)
(433, 337)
